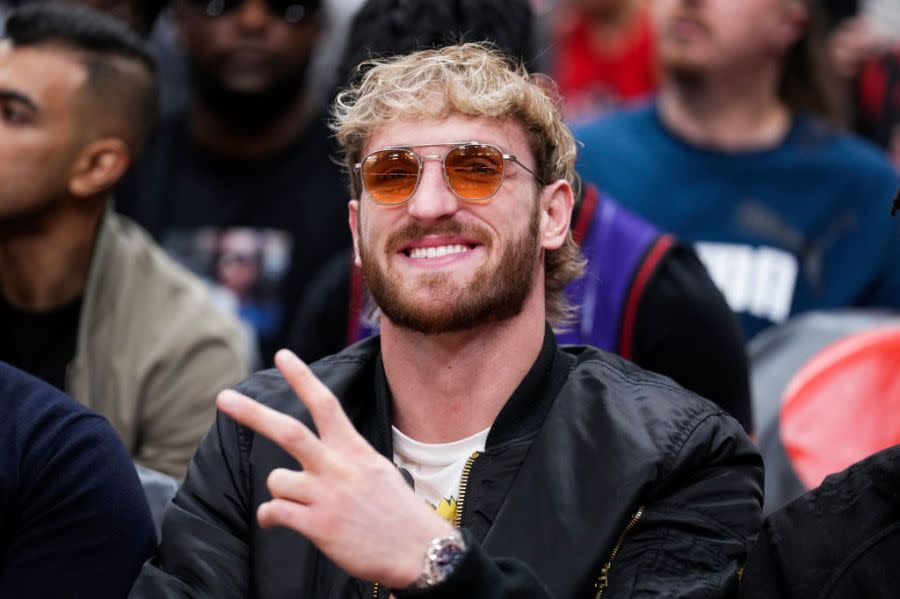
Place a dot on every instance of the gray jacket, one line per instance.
(152, 349)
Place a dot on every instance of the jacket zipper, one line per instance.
(457, 518)
(603, 579)
(463, 484)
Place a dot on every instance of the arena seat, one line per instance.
(160, 489)
(805, 395)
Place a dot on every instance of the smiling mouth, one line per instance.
(439, 251)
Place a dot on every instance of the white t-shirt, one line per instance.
(437, 468)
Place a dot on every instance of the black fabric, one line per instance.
(839, 540)
(553, 502)
(527, 408)
(521, 415)
(510, 436)
(838, 10)
(74, 522)
(179, 187)
(680, 308)
(40, 343)
(319, 326)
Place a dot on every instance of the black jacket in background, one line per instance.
(182, 193)
(839, 540)
(564, 471)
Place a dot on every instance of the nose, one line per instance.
(433, 199)
(252, 15)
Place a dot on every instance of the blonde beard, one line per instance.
(494, 295)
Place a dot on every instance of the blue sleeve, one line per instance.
(875, 197)
(83, 527)
(886, 291)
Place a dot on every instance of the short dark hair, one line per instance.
(145, 13)
(384, 28)
(103, 43)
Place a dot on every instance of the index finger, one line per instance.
(323, 406)
(285, 431)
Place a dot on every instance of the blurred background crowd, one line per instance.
(746, 149)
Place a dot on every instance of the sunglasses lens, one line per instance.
(390, 176)
(292, 11)
(216, 8)
(474, 172)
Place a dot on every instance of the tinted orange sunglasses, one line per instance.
(473, 171)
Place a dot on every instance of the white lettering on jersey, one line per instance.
(756, 280)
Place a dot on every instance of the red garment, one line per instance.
(879, 103)
(594, 82)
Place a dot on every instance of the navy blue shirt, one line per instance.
(800, 226)
(74, 521)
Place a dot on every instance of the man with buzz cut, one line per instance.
(461, 453)
(88, 303)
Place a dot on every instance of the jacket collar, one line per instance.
(99, 298)
(521, 416)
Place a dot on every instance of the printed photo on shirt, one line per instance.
(244, 267)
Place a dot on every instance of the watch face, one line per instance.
(444, 555)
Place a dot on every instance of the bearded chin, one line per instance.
(493, 295)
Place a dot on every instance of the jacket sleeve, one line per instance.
(205, 551)
(179, 399)
(686, 331)
(478, 575)
(690, 540)
(696, 530)
(84, 527)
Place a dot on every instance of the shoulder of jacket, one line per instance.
(644, 400)
(338, 372)
(627, 376)
(162, 285)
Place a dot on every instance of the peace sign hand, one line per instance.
(348, 500)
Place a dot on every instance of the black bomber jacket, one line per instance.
(602, 480)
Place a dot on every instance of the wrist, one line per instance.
(416, 554)
(442, 556)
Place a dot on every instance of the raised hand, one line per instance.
(349, 500)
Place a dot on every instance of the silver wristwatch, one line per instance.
(441, 559)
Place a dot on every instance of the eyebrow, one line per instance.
(8, 95)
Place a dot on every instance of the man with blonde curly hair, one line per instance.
(461, 453)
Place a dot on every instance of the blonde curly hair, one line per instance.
(472, 79)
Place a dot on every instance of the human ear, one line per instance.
(794, 19)
(98, 167)
(557, 202)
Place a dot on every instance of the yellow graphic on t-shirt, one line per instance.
(446, 509)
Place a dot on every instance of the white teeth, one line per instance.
(437, 252)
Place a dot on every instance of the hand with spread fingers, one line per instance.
(348, 499)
